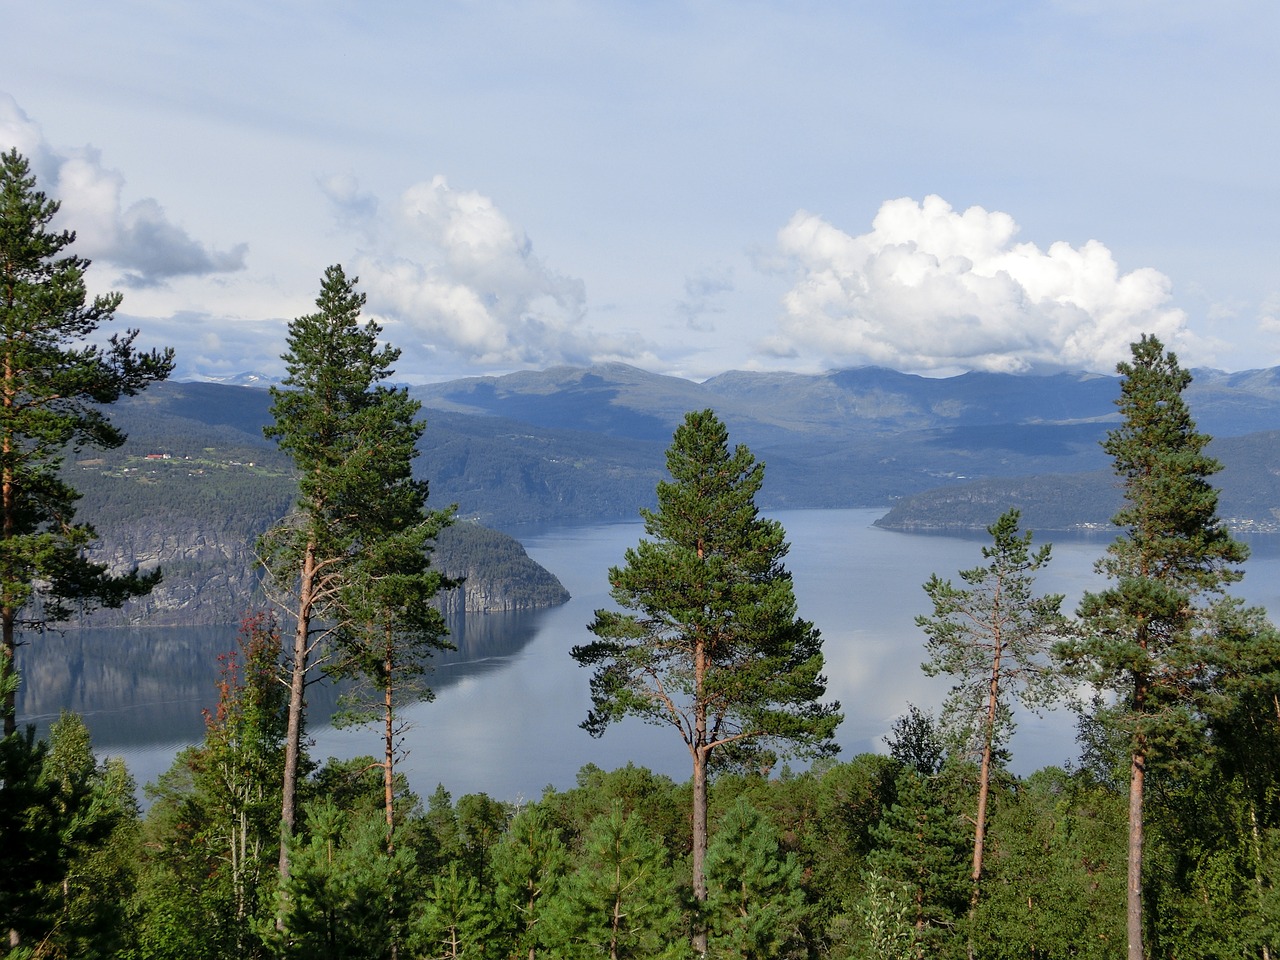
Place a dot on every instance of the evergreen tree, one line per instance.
(715, 648)
(755, 902)
(53, 383)
(1148, 638)
(994, 635)
(457, 921)
(621, 900)
(99, 840)
(353, 441)
(340, 885)
(920, 847)
(393, 629)
(32, 855)
(529, 864)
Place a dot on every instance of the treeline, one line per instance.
(862, 858)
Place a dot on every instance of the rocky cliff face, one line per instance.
(213, 576)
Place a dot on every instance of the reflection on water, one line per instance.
(147, 687)
(509, 701)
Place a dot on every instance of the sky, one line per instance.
(688, 187)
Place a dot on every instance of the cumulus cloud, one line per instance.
(454, 274)
(930, 288)
(139, 238)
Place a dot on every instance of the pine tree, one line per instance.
(620, 901)
(32, 856)
(715, 648)
(457, 920)
(755, 902)
(99, 832)
(529, 864)
(994, 636)
(1149, 638)
(919, 846)
(393, 629)
(341, 882)
(360, 514)
(53, 383)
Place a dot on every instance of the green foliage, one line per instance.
(457, 920)
(920, 846)
(53, 386)
(881, 925)
(656, 799)
(529, 863)
(1151, 638)
(620, 901)
(98, 815)
(755, 902)
(355, 555)
(213, 827)
(915, 741)
(347, 896)
(1143, 635)
(714, 648)
(993, 634)
(1055, 871)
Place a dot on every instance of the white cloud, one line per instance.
(138, 238)
(453, 274)
(929, 288)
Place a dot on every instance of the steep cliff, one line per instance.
(198, 518)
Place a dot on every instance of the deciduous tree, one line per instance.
(54, 381)
(714, 647)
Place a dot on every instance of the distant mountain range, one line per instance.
(574, 444)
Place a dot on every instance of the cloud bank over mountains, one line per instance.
(931, 288)
(138, 238)
(460, 289)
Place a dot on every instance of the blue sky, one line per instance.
(690, 187)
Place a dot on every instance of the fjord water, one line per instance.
(508, 703)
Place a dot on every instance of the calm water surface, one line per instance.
(508, 704)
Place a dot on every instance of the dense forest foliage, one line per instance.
(867, 857)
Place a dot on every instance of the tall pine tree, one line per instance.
(53, 383)
(994, 635)
(353, 440)
(1149, 637)
(714, 648)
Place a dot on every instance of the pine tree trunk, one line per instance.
(700, 755)
(297, 705)
(1133, 913)
(388, 735)
(700, 848)
(8, 614)
(984, 789)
